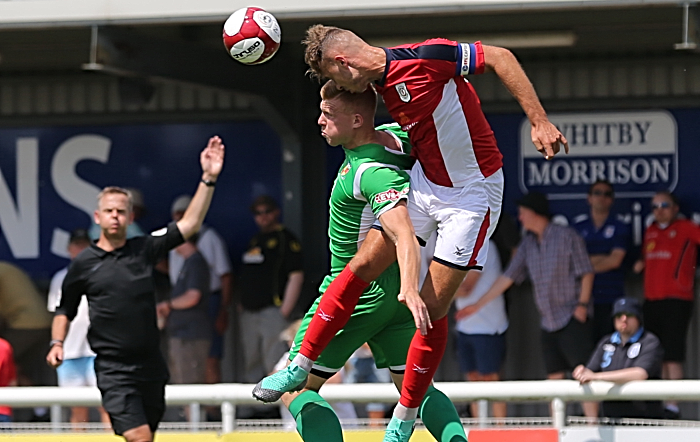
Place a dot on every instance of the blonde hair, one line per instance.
(116, 190)
(364, 103)
(318, 40)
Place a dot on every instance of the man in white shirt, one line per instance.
(78, 369)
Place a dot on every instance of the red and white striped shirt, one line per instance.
(425, 92)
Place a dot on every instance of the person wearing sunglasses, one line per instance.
(607, 240)
(269, 284)
(669, 256)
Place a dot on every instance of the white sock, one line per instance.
(405, 414)
(303, 362)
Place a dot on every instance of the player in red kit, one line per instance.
(457, 184)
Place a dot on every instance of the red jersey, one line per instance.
(8, 372)
(670, 255)
(425, 92)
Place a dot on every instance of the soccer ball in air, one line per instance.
(252, 35)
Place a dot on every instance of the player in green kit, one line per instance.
(372, 184)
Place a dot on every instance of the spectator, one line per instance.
(213, 248)
(607, 241)
(555, 259)
(188, 322)
(134, 229)
(8, 376)
(27, 325)
(481, 342)
(78, 368)
(270, 283)
(629, 354)
(363, 370)
(669, 256)
(116, 276)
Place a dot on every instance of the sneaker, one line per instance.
(271, 388)
(398, 430)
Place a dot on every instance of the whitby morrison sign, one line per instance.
(636, 151)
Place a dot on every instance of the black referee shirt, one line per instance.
(121, 295)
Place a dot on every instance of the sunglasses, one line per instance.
(662, 205)
(263, 212)
(606, 193)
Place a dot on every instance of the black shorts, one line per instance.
(130, 399)
(668, 319)
(568, 347)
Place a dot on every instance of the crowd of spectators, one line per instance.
(591, 328)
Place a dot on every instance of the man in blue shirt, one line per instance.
(607, 240)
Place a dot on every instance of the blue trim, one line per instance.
(428, 51)
(472, 58)
(616, 339)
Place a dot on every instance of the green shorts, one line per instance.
(379, 320)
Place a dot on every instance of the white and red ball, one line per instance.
(252, 35)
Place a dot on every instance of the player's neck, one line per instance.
(110, 244)
(376, 62)
(360, 139)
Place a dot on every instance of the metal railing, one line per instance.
(558, 392)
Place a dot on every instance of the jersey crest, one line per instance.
(402, 90)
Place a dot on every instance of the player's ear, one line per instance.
(96, 216)
(341, 60)
(357, 121)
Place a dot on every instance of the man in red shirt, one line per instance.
(669, 255)
(8, 376)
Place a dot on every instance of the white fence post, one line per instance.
(194, 416)
(228, 416)
(56, 417)
(558, 413)
(483, 412)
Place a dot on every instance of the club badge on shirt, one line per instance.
(404, 95)
(609, 231)
(634, 350)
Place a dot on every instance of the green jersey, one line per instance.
(371, 180)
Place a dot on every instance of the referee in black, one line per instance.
(115, 275)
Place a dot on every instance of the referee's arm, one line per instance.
(211, 160)
(59, 330)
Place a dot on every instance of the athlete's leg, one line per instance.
(438, 414)
(316, 421)
(334, 310)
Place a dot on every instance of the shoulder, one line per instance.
(649, 338)
(580, 220)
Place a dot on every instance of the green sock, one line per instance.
(316, 420)
(440, 417)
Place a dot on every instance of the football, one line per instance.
(252, 35)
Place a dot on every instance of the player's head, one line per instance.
(114, 212)
(346, 117)
(337, 54)
(601, 195)
(533, 211)
(665, 207)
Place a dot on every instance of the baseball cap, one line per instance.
(264, 200)
(628, 306)
(79, 235)
(536, 202)
(180, 204)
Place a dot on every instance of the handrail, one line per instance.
(228, 395)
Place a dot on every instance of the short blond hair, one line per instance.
(318, 39)
(364, 103)
(116, 190)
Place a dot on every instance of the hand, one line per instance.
(55, 356)
(415, 304)
(221, 322)
(163, 309)
(547, 139)
(466, 312)
(583, 375)
(212, 158)
(638, 266)
(581, 313)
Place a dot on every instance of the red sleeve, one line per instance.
(694, 232)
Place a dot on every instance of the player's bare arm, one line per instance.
(59, 330)
(545, 136)
(212, 161)
(398, 227)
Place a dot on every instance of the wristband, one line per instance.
(55, 342)
(209, 183)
